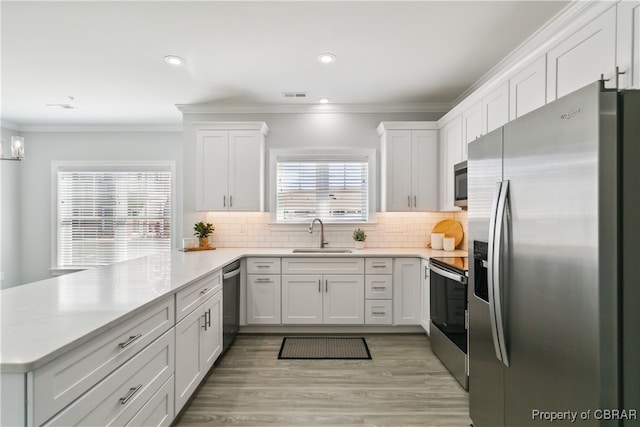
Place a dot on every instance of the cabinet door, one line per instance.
(495, 108)
(189, 363)
(451, 154)
(398, 170)
(263, 299)
(212, 170)
(212, 334)
(343, 300)
(425, 296)
(471, 125)
(406, 291)
(628, 43)
(424, 186)
(302, 299)
(246, 160)
(528, 89)
(583, 57)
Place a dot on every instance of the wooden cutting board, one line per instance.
(450, 228)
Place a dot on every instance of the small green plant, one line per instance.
(203, 230)
(359, 235)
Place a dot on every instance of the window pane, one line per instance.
(335, 191)
(107, 217)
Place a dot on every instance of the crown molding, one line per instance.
(102, 128)
(209, 108)
(574, 16)
(10, 125)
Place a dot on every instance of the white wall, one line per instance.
(10, 218)
(44, 147)
(292, 130)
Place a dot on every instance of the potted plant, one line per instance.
(203, 230)
(359, 236)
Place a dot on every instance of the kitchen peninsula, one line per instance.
(48, 321)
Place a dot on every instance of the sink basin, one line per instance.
(321, 251)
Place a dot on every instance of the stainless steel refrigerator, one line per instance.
(554, 265)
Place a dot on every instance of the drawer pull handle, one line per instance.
(131, 340)
(379, 265)
(379, 313)
(264, 280)
(379, 287)
(204, 291)
(129, 395)
(263, 266)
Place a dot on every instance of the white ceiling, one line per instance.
(109, 55)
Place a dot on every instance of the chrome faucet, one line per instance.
(322, 242)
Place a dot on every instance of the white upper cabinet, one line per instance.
(230, 166)
(451, 150)
(409, 162)
(495, 109)
(471, 125)
(528, 89)
(583, 57)
(628, 43)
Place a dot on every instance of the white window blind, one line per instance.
(110, 216)
(334, 190)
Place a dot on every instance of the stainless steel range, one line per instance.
(448, 284)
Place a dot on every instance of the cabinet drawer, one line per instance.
(263, 265)
(333, 265)
(61, 381)
(195, 294)
(119, 397)
(378, 286)
(378, 265)
(378, 312)
(159, 410)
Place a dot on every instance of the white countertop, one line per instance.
(41, 320)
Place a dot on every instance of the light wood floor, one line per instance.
(404, 385)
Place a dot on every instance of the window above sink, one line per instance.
(335, 185)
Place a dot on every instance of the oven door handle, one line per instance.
(449, 275)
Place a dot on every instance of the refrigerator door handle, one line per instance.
(502, 206)
(490, 270)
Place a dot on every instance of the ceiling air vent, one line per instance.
(294, 95)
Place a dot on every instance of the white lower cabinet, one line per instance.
(159, 410)
(406, 291)
(121, 395)
(378, 291)
(263, 299)
(323, 299)
(61, 381)
(425, 297)
(198, 345)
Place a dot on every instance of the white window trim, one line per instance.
(92, 166)
(337, 153)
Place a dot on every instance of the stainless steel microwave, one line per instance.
(460, 185)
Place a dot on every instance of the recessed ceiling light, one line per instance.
(173, 60)
(324, 100)
(326, 58)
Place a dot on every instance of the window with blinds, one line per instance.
(334, 190)
(110, 216)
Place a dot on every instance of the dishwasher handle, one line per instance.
(231, 274)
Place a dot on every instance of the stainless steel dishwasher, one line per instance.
(230, 303)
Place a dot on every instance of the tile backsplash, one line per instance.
(389, 230)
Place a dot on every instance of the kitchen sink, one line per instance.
(321, 251)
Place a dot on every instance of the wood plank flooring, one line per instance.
(404, 385)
